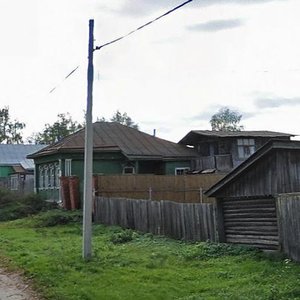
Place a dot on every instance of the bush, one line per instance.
(14, 206)
(58, 217)
(123, 236)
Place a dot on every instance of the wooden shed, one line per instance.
(247, 209)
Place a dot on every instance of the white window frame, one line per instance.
(68, 167)
(42, 177)
(130, 168)
(56, 175)
(46, 177)
(181, 170)
(14, 182)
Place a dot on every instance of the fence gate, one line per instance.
(251, 222)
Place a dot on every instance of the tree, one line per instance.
(63, 127)
(121, 118)
(226, 120)
(10, 131)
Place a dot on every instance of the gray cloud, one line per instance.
(146, 7)
(249, 115)
(206, 114)
(276, 102)
(216, 25)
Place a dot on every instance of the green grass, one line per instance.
(128, 265)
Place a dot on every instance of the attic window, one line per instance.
(246, 147)
(181, 171)
(128, 170)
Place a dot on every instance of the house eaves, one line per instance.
(196, 134)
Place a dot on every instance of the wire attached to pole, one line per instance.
(141, 27)
(126, 35)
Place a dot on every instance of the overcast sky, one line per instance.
(171, 76)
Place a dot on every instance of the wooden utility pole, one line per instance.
(88, 153)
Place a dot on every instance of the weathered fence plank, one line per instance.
(191, 222)
(288, 208)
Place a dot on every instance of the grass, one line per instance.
(129, 265)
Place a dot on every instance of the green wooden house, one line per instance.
(117, 149)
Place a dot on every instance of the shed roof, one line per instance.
(15, 154)
(229, 134)
(258, 155)
(114, 137)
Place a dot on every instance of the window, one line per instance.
(128, 170)
(46, 177)
(68, 167)
(181, 171)
(51, 176)
(14, 182)
(41, 177)
(246, 147)
(56, 175)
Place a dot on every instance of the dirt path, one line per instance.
(14, 287)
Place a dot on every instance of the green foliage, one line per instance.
(63, 127)
(14, 206)
(215, 250)
(57, 217)
(123, 236)
(226, 120)
(147, 267)
(121, 118)
(10, 131)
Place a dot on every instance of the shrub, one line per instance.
(57, 217)
(14, 206)
(123, 236)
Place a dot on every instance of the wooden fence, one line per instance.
(183, 188)
(190, 222)
(288, 210)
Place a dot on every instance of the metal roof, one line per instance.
(15, 154)
(112, 136)
(236, 134)
(258, 155)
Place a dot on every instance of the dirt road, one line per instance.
(13, 287)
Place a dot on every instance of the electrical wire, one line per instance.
(74, 70)
(143, 26)
(126, 35)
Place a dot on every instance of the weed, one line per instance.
(214, 250)
(58, 217)
(123, 236)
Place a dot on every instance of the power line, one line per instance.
(74, 70)
(124, 36)
(141, 27)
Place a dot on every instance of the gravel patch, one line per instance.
(14, 287)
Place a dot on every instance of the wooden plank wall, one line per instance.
(288, 210)
(251, 222)
(190, 222)
(185, 188)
